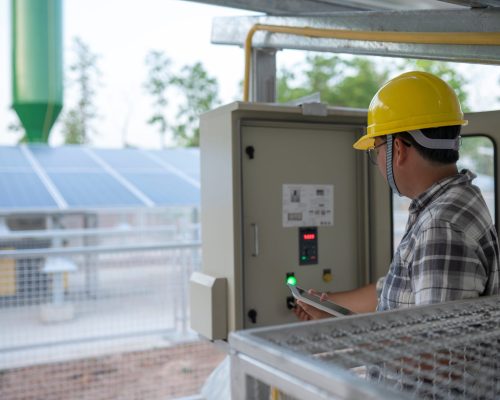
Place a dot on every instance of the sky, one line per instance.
(122, 32)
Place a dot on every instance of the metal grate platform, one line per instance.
(445, 351)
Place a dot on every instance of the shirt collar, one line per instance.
(420, 202)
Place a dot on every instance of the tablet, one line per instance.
(313, 300)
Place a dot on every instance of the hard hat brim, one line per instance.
(367, 141)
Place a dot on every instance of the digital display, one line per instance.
(308, 246)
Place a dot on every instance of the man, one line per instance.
(450, 248)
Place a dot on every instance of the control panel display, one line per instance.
(308, 246)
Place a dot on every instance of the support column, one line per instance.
(59, 309)
(263, 76)
(90, 263)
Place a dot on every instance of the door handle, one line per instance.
(255, 229)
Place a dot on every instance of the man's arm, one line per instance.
(359, 300)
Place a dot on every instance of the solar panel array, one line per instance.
(43, 178)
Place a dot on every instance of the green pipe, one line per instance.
(37, 65)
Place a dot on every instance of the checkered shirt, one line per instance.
(449, 250)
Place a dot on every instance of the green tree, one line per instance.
(346, 82)
(475, 151)
(194, 89)
(352, 82)
(478, 154)
(157, 84)
(285, 91)
(200, 94)
(17, 128)
(85, 74)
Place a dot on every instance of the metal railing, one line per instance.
(440, 351)
(122, 305)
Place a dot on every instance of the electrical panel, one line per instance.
(283, 194)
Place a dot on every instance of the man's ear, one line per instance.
(400, 151)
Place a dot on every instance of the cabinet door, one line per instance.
(307, 156)
(480, 143)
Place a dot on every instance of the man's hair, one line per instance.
(441, 156)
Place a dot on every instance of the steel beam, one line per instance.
(379, 5)
(281, 7)
(233, 31)
(308, 7)
(263, 76)
(474, 3)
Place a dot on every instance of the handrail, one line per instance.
(68, 251)
(69, 233)
(443, 38)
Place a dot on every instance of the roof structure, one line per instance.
(445, 30)
(309, 7)
(40, 178)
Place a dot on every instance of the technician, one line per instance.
(450, 248)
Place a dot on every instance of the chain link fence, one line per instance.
(99, 319)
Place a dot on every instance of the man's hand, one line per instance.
(361, 300)
(305, 312)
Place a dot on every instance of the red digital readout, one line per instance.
(309, 236)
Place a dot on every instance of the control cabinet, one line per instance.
(283, 195)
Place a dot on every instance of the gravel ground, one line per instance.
(158, 374)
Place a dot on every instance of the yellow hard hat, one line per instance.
(413, 100)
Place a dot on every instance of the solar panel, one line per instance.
(127, 159)
(12, 157)
(24, 190)
(134, 177)
(93, 190)
(66, 157)
(165, 189)
(185, 160)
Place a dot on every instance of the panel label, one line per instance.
(307, 205)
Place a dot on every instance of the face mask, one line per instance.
(388, 166)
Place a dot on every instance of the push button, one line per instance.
(327, 275)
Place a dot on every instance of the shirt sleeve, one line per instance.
(445, 267)
(379, 286)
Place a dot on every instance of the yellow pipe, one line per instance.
(446, 38)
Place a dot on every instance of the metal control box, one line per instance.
(283, 193)
(208, 301)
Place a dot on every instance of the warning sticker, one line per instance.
(307, 205)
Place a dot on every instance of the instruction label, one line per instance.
(307, 205)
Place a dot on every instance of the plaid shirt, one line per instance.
(449, 250)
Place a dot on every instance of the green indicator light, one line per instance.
(304, 258)
(291, 280)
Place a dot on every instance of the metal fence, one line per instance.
(98, 319)
(445, 351)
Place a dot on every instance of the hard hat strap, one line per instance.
(442, 144)
(388, 166)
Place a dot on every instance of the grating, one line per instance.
(445, 351)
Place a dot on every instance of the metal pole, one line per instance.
(263, 76)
